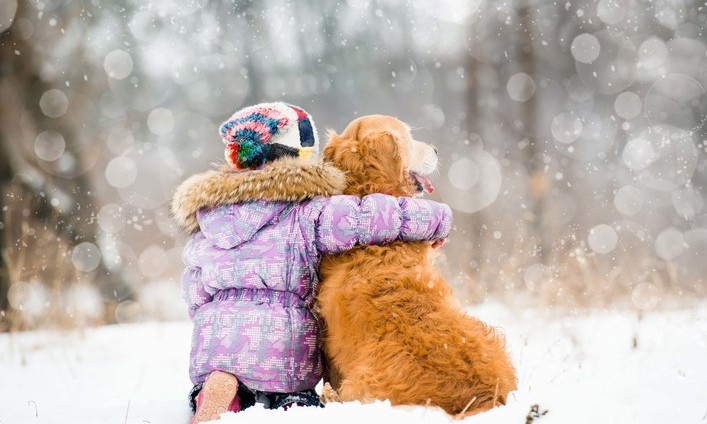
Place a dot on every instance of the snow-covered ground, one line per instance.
(588, 367)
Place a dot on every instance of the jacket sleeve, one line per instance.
(193, 291)
(346, 221)
(424, 220)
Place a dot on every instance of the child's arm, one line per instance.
(193, 291)
(346, 221)
(424, 220)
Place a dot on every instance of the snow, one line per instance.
(595, 366)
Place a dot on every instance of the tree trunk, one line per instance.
(5, 175)
(538, 183)
(470, 261)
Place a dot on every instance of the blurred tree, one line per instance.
(469, 261)
(5, 176)
(538, 183)
(61, 203)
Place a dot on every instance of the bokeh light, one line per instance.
(688, 202)
(111, 218)
(474, 182)
(160, 121)
(629, 200)
(585, 48)
(54, 103)
(28, 297)
(521, 87)
(602, 239)
(566, 127)
(652, 53)
(463, 174)
(118, 64)
(84, 302)
(153, 261)
(86, 256)
(669, 244)
(121, 172)
(7, 14)
(677, 100)
(611, 12)
(628, 105)
(638, 154)
(49, 145)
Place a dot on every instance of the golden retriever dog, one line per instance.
(392, 329)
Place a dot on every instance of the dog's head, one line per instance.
(379, 155)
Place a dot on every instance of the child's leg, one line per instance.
(303, 398)
(246, 397)
(192, 397)
(217, 395)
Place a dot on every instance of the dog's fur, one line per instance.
(392, 329)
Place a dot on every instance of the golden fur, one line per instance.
(392, 329)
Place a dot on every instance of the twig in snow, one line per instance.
(127, 410)
(534, 413)
(36, 410)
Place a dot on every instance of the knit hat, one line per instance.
(264, 132)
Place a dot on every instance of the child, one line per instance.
(259, 230)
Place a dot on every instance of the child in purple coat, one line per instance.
(259, 229)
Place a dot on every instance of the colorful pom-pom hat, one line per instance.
(259, 134)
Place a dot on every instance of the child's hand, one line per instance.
(438, 243)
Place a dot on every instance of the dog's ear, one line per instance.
(338, 144)
(344, 153)
(383, 148)
(341, 151)
(382, 155)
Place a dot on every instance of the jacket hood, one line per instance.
(285, 180)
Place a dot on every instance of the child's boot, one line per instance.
(218, 395)
(303, 398)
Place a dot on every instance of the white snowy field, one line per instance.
(588, 367)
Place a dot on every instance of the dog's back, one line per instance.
(394, 333)
(392, 330)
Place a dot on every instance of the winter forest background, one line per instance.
(572, 138)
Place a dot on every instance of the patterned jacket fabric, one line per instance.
(251, 275)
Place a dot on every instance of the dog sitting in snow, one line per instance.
(392, 327)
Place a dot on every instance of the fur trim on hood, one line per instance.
(285, 180)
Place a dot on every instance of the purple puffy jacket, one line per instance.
(252, 273)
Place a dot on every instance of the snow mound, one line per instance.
(579, 367)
